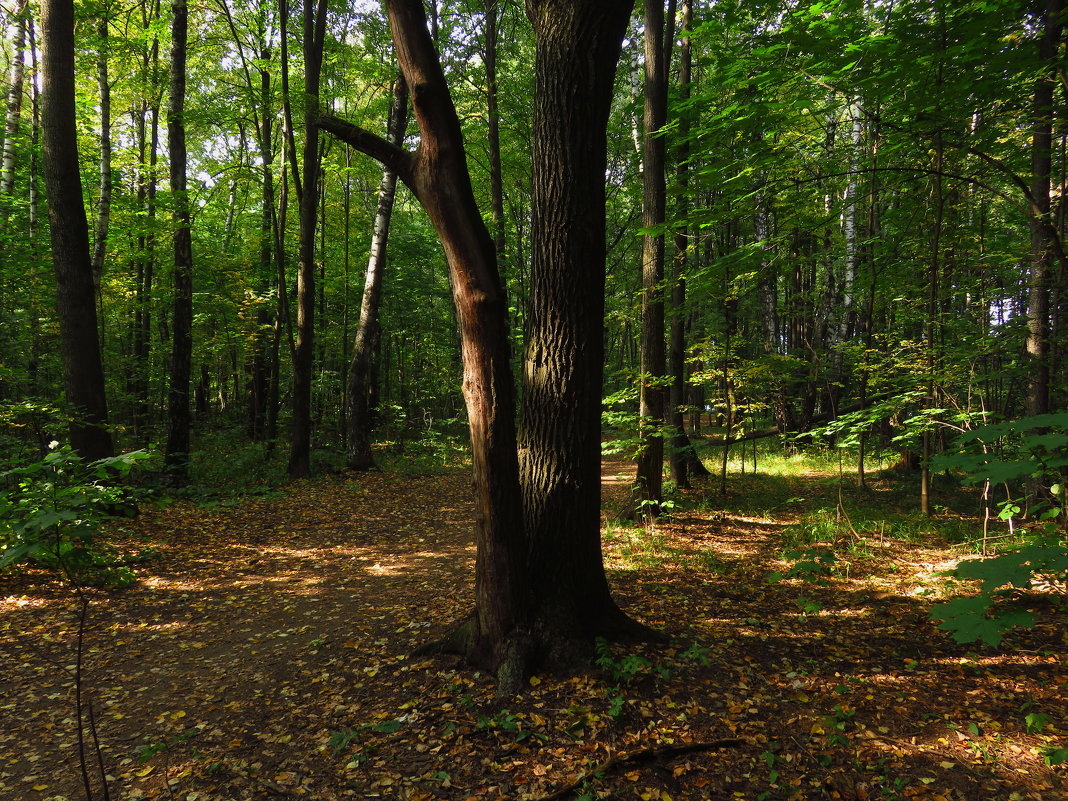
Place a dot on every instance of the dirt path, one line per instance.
(264, 655)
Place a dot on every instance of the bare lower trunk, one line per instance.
(83, 373)
(650, 472)
(303, 352)
(178, 406)
(578, 46)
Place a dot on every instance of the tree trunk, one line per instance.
(300, 447)
(16, 78)
(1038, 280)
(83, 373)
(103, 213)
(437, 175)
(360, 411)
(650, 473)
(178, 411)
(684, 459)
(493, 116)
(578, 47)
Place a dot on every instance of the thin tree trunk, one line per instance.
(684, 459)
(494, 133)
(16, 82)
(1038, 283)
(303, 352)
(103, 213)
(83, 373)
(650, 472)
(179, 418)
(359, 411)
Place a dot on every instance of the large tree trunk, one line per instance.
(360, 411)
(83, 373)
(578, 46)
(300, 447)
(178, 412)
(649, 487)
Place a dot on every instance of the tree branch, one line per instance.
(393, 158)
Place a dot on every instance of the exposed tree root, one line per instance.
(638, 757)
(543, 647)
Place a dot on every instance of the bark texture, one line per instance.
(83, 373)
(578, 47)
(178, 408)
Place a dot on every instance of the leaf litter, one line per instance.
(265, 655)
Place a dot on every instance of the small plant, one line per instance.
(53, 509)
(508, 722)
(1055, 755)
(837, 724)
(1034, 722)
(697, 653)
(812, 565)
(340, 740)
(624, 670)
(809, 606)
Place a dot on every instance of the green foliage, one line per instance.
(51, 512)
(1055, 755)
(813, 565)
(623, 670)
(1034, 448)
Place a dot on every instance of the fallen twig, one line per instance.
(644, 755)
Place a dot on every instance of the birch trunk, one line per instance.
(360, 380)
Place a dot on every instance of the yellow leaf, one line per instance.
(535, 681)
(39, 787)
(145, 771)
(179, 714)
(948, 765)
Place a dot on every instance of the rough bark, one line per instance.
(649, 485)
(83, 373)
(178, 406)
(578, 46)
(359, 412)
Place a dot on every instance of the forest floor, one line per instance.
(264, 654)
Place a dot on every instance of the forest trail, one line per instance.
(264, 655)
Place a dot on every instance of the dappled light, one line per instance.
(267, 651)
